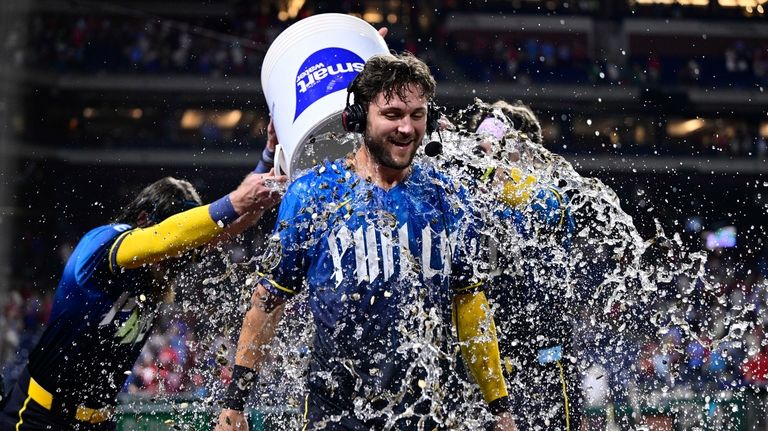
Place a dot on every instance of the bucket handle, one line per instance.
(279, 159)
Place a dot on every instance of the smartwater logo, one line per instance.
(325, 72)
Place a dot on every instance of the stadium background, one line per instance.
(664, 101)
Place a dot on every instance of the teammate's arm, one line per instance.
(257, 331)
(479, 346)
(258, 328)
(267, 161)
(195, 227)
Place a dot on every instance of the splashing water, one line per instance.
(610, 279)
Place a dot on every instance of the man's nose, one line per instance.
(406, 126)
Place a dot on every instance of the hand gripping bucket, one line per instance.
(305, 76)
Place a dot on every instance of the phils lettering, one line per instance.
(375, 253)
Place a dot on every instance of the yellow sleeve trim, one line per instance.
(93, 416)
(112, 249)
(39, 394)
(169, 238)
(275, 284)
(479, 346)
(469, 288)
(559, 197)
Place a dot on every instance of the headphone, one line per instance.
(354, 116)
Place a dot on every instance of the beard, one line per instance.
(381, 154)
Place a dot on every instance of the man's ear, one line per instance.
(143, 220)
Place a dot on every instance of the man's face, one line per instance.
(395, 129)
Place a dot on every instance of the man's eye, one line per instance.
(418, 116)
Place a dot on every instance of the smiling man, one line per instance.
(378, 243)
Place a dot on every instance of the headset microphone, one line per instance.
(433, 148)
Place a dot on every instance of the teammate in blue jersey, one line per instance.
(534, 317)
(368, 238)
(108, 297)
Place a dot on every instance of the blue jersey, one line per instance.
(98, 325)
(530, 287)
(366, 256)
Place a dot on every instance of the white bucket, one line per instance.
(305, 76)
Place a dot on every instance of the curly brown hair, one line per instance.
(392, 74)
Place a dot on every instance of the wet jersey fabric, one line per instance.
(98, 325)
(533, 313)
(375, 266)
(530, 279)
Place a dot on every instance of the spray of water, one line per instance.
(609, 279)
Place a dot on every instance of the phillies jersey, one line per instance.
(375, 263)
(97, 327)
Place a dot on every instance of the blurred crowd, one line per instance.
(719, 341)
(743, 64)
(190, 349)
(234, 45)
(98, 44)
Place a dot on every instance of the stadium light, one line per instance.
(671, 2)
(373, 16)
(192, 119)
(764, 130)
(228, 120)
(683, 128)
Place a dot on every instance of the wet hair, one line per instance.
(519, 115)
(392, 74)
(160, 200)
(523, 119)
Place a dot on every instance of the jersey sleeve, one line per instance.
(171, 237)
(285, 261)
(552, 210)
(92, 252)
(466, 256)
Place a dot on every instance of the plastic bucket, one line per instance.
(305, 76)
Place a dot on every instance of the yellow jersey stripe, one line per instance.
(467, 288)
(24, 407)
(171, 237)
(565, 397)
(39, 394)
(275, 284)
(559, 197)
(113, 249)
(306, 412)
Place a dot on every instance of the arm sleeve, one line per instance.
(266, 163)
(552, 210)
(479, 347)
(171, 237)
(285, 264)
(518, 191)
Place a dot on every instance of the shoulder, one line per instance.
(449, 186)
(324, 173)
(93, 249)
(551, 197)
(104, 235)
(323, 183)
(99, 240)
(447, 178)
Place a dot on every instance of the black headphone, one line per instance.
(354, 116)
